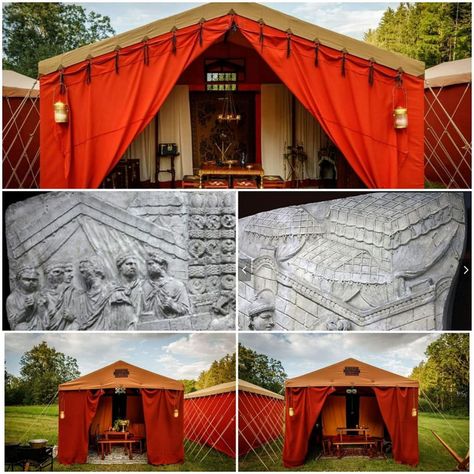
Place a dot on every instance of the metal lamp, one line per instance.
(61, 112)
(400, 117)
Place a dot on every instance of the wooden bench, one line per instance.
(356, 441)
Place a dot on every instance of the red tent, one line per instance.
(209, 417)
(448, 149)
(153, 404)
(21, 131)
(260, 416)
(115, 87)
(384, 400)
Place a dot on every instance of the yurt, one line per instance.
(21, 131)
(235, 89)
(209, 417)
(448, 149)
(261, 414)
(151, 404)
(343, 400)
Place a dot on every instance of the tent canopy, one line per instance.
(449, 73)
(252, 388)
(124, 374)
(252, 11)
(351, 372)
(214, 390)
(17, 85)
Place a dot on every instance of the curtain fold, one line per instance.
(275, 127)
(308, 134)
(164, 430)
(174, 126)
(103, 417)
(307, 403)
(399, 408)
(77, 409)
(333, 415)
(370, 416)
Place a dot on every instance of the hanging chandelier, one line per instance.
(229, 112)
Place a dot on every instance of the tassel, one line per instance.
(288, 43)
(117, 49)
(399, 78)
(201, 27)
(173, 40)
(316, 52)
(343, 64)
(262, 37)
(371, 72)
(146, 59)
(89, 71)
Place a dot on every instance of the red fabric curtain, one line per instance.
(307, 403)
(108, 109)
(396, 405)
(260, 420)
(211, 421)
(164, 431)
(76, 411)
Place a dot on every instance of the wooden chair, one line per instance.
(273, 182)
(190, 181)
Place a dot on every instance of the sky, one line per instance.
(352, 19)
(177, 355)
(300, 353)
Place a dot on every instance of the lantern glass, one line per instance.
(61, 415)
(292, 412)
(176, 413)
(61, 112)
(413, 412)
(400, 118)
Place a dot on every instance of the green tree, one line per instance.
(43, 368)
(36, 31)
(220, 371)
(261, 370)
(431, 32)
(14, 389)
(189, 385)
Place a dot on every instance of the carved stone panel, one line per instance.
(378, 261)
(122, 261)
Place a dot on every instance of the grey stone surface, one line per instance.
(127, 260)
(378, 261)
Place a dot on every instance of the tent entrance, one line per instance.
(352, 411)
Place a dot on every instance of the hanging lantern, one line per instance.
(176, 413)
(291, 412)
(413, 412)
(229, 112)
(61, 112)
(62, 415)
(400, 117)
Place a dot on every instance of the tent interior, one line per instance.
(275, 129)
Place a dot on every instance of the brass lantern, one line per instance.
(400, 117)
(62, 415)
(176, 413)
(291, 412)
(61, 112)
(413, 412)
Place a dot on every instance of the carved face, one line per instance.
(55, 275)
(155, 268)
(86, 269)
(263, 321)
(68, 273)
(28, 281)
(129, 268)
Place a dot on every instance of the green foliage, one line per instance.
(42, 369)
(431, 32)
(36, 31)
(444, 376)
(221, 371)
(14, 389)
(261, 370)
(189, 385)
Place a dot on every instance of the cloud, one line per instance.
(208, 346)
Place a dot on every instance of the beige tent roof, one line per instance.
(335, 376)
(214, 390)
(252, 388)
(253, 11)
(121, 373)
(15, 84)
(449, 73)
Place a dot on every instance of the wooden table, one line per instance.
(171, 170)
(229, 171)
(105, 445)
(361, 439)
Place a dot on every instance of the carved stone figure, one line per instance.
(26, 307)
(99, 244)
(261, 311)
(163, 295)
(378, 261)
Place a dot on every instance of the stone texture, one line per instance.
(112, 245)
(378, 261)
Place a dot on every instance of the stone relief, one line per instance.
(122, 261)
(378, 261)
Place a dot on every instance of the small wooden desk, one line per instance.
(214, 170)
(172, 170)
(106, 445)
(361, 439)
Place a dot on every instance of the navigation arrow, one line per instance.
(465, 269)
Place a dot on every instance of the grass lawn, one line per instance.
(24, 422)
(433, 456)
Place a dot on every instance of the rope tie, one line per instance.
(316, 52)
(399, 77)
(343, 63)
(146, 59)
(117, 49)
(174, 40)
(288, 43)
(261, 24)
(89, 71)
(371, 71)
(201, 27)
(62, 85)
